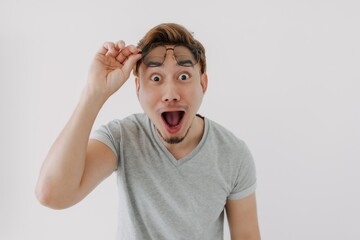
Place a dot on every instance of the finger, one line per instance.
(126, 52)
(108, 45)
(111, 50)
(130, 62)
(120, 45)
(102, 50)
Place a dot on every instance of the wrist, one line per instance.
(93, 100)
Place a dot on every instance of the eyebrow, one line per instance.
(153, 64)
(185, 61)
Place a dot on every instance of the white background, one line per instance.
(283, 76)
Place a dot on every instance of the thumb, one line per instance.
(130, 62)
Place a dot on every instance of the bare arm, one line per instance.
(74, 165)
(242, 218)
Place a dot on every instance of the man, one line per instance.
(177, 171)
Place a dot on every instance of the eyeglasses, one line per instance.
(185, 56)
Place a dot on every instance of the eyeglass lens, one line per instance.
(183, 56)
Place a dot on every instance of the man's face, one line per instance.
(171, 95)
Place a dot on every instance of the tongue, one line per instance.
(172, 118)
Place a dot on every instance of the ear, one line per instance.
(204, 82)
(137, 84)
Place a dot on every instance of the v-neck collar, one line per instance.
(169, 155)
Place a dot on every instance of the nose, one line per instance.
(171, 90)
(170, 93)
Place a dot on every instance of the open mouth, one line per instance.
(173, 119)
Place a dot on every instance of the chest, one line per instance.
(197, 187)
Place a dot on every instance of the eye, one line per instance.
(184, 76)
(155, 78)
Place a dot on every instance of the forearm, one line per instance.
(63, 168)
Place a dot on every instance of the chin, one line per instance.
(173, 139)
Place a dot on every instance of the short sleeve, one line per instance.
(246, 179)
(109, 134)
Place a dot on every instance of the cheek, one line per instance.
(146, 98)
(197, 96)
(196, 92)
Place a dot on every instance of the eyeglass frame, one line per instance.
(193, 50)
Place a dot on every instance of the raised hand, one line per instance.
(111, 68)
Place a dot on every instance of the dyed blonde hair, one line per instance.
(171, 33)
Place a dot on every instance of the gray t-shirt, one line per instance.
(164, 198)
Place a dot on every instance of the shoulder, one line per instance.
(136, 118)
(129, 121)
(235, 158)
(135, 122)
(227, 143)
(135, 128)
(223, 135)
